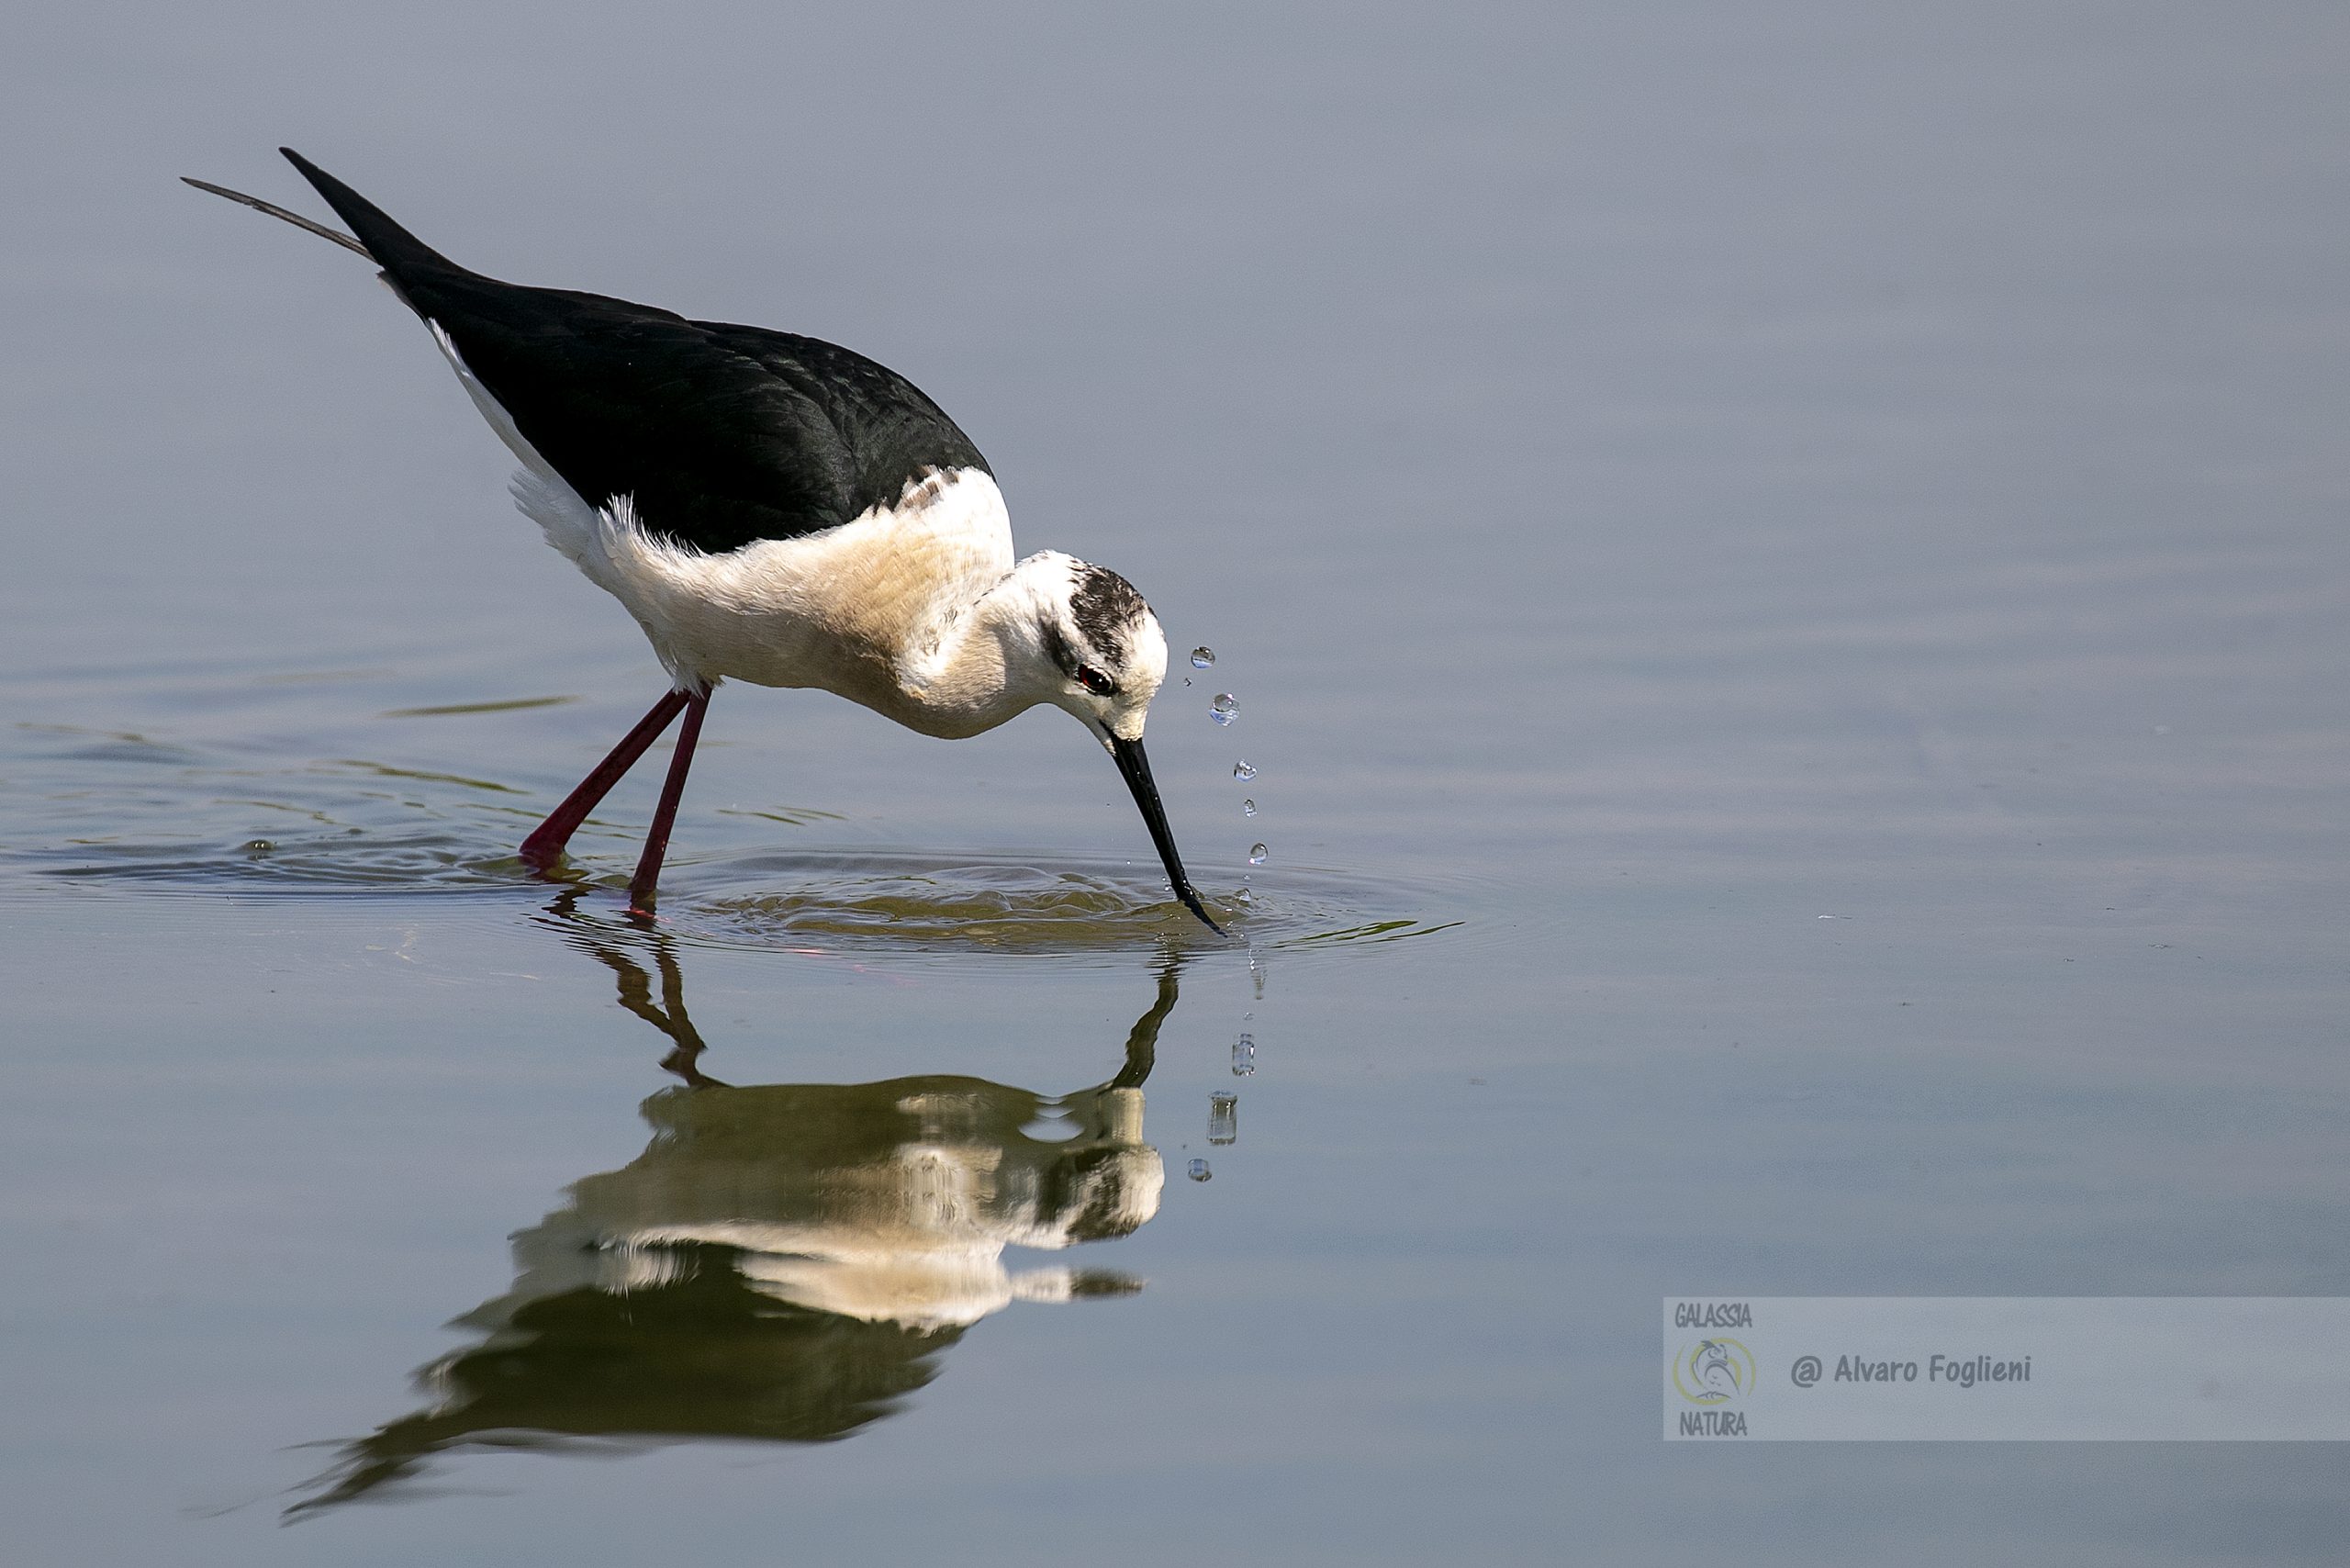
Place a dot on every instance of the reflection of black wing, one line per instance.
(703, 1355)
(723, 434)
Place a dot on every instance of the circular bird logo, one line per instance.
(1713, 1371)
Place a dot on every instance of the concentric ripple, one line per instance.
(1028, 903)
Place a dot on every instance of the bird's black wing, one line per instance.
(722, 434)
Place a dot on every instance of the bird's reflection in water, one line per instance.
(783, 1261)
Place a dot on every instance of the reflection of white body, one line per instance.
(888, 1202)
(783, 1263)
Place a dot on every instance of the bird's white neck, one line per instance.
(979, 663)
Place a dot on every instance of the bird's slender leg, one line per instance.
(673, 788)
(544, 845)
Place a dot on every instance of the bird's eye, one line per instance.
(1093, 681)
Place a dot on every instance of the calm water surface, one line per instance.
(1786, 587)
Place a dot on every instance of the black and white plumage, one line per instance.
(775, 509)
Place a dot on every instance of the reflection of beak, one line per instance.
(1136, 770)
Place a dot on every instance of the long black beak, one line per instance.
(1136, 770)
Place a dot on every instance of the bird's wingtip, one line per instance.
(271, 208)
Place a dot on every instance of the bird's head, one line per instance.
(1102, 649)
(1095, 651)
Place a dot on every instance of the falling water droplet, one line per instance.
(1248, 808)
(1201, 657)
(1225, 708)
(1244, 771)
(1224, 1119)
(1244, 1056)
(1199, 1172)
(1257, 853)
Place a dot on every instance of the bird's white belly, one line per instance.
(841, 609)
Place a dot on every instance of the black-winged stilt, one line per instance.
(774, 510)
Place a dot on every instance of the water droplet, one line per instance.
(258, 846)
(1248, 808)
(1225, 708)
(1224, 1119)
(1242, 895)
(1244, 1056)
(1199, 1172)
(1244, 771)
(1187, 680)
(1257, 853)
(1201, 657)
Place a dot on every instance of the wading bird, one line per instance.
(775, 509)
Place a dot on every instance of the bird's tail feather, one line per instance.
(296, 218)
(401, 254)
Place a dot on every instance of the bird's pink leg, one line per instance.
(544, 847)
(673, 788)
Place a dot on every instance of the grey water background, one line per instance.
(1791, 558)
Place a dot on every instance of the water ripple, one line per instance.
(124, 810)
(916, 902)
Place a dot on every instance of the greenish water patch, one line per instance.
(385, 771)
(441, 709)
(963, 905)
(791, 816)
